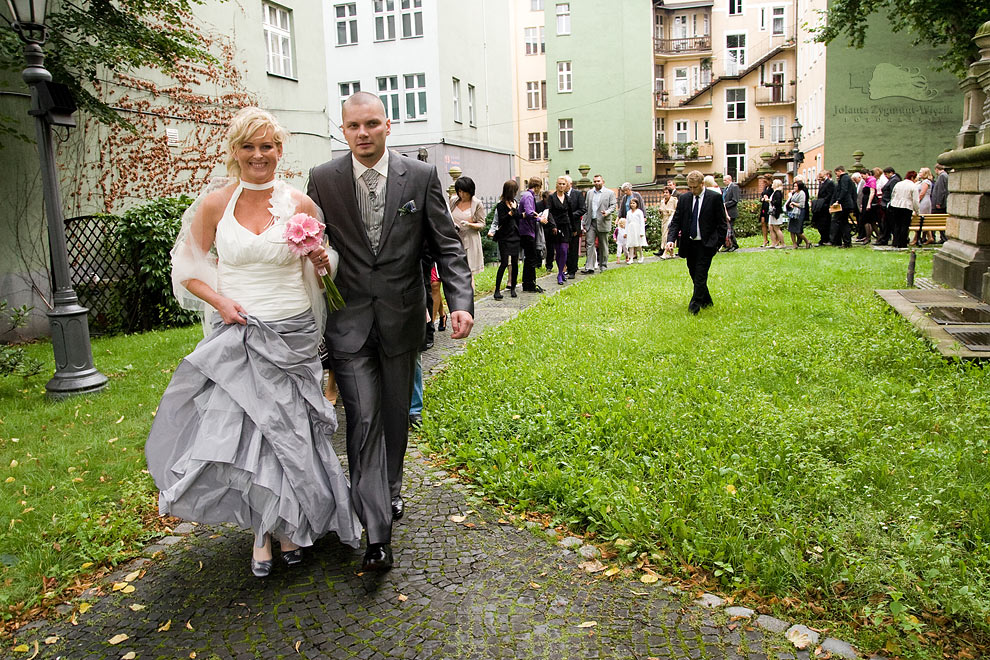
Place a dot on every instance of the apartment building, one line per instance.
(724, 85)
(441, 67)
(529, 89)
(599, 89)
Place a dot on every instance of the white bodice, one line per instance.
(257, 270)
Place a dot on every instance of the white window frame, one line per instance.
(741, 53)
(708, 131)
(535, 146)
(565, 78)
(735, 7)
(345, 17)
(681, 127)
(763, 19)
(411, 18)
(472, 106)
(681, 82)
(456, 84)
(563, 18)
(277, 25)
(778, 129)
(732, 108)
(536, 5)
(414, 94)
(775, 17)
(740, 159)
(384, 20)
(532, 41)
(388, 92)
(565, 134)
(533, 95)
(347, 88)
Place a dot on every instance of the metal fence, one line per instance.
(97, 269)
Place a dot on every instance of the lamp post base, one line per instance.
(74, 370)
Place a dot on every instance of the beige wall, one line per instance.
(527, 68)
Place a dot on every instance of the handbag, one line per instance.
(836, 207)
(794, 214)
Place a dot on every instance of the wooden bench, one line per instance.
(928, 222)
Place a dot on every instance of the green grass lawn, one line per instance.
(797, 439)
(74, 496)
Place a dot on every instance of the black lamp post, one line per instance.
(796, 134)
(52, 104)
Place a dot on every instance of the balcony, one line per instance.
(666, 101)
(775, 95)
(689, 152)
(683, 45)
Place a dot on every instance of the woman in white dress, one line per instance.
(243, 431)
(469, 218)
(635, 232)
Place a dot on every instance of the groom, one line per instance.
(379, 207)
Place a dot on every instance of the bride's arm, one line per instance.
(203, 232)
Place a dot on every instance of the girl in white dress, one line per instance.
(635, 232)
(620, 241)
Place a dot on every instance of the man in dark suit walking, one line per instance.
(700, 222)
(845, 196)
(379, 208)
(731, 196)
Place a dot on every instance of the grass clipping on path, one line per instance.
(799, 437)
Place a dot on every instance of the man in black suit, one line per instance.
(576, 201)
(379, 209)
(700, 222)
(820, 216)
(845, 196)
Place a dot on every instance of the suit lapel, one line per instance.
(395, 185)
(344, 181)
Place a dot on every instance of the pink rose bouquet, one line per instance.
(304, 233)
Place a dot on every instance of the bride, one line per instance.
(243, 431)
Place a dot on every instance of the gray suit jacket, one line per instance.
(386, 289)
(731, 198)
(602, 220)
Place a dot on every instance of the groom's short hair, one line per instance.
(361, 98)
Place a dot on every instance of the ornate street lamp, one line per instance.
(52, 104)
(796, 134)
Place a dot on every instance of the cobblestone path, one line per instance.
(478, 588)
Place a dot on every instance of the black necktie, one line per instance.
(695, 230)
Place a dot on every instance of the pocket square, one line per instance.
(407, 208)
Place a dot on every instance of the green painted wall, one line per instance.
(887, 101)
(611, 51)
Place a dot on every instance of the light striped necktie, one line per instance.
(372, 208)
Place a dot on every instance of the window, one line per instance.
(681, 81)
(763, 19)
(388, 92)
(680, 131)
(735, 159)
(536, 95)
(535, 41)
(278, 40)
(735, 53)
(564, 77)
(735, 7)
(566, 139)
(384, 20)
(564, 18)
(472, 116)
(707, 25)
(778, 129)
(778, 20)
(763, 131)
(735, 103)
(415, 86)
(535, 146)
(348, 88)
(708, 134)
(346, 24)
(536, 5)
(457, 100)
(412, 18)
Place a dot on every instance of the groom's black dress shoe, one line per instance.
(398, 507)
(378, 557)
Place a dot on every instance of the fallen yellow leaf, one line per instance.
(189, 626)
(86, 565)
(588, 624)
(648, 579)
(621, 543)
(51, 640)
(117, 586)
(799, 639)
(13, 463)
(117, 639)
(136, 607)
(129, 589)
(84, 607)
(132, 576)
(130, 655)
(612, 571)
(298, 644)
(403, 598)
(192, 654)
(458, 519)
(730, 489)
(535, 585)
(9, 480)
(21, 648)
(165, 626)
(119, 420)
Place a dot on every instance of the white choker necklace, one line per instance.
(257, 186)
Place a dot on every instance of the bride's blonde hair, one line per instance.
(243, 126)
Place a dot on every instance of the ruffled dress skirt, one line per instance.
(243, 432)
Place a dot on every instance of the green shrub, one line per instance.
(13, 360)
(146, 236)
(748, 221)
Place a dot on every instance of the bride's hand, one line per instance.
(319, 257)
(231, 312)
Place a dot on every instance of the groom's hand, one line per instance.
(461, 323)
